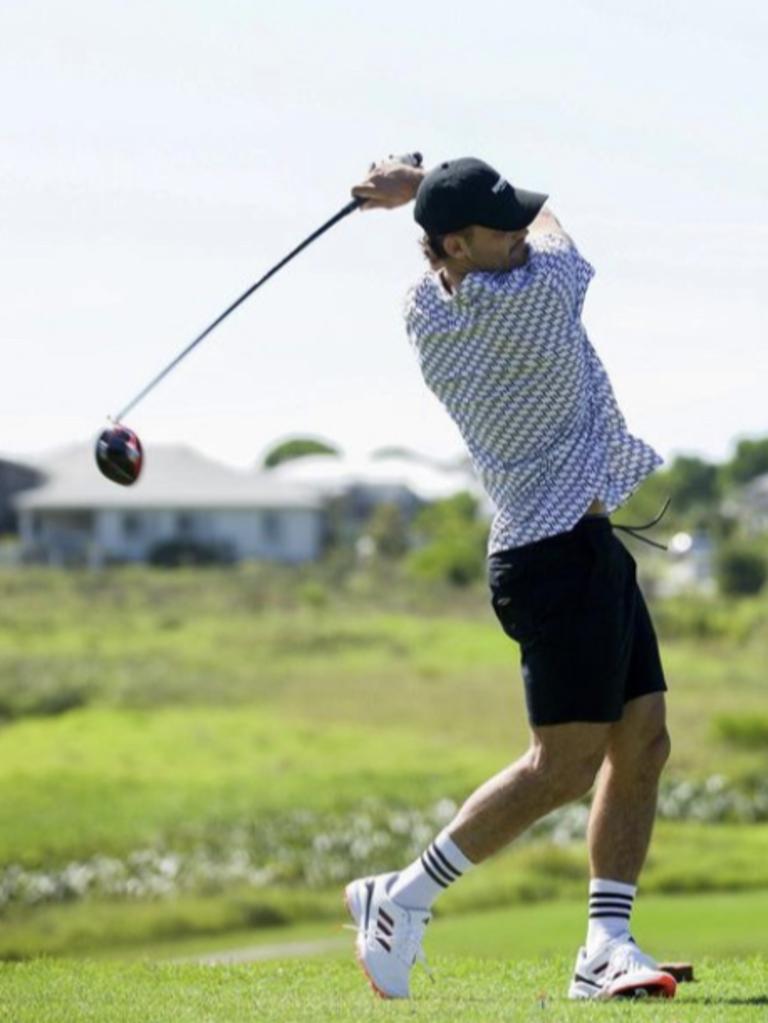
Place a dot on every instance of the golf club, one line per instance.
(119, 453)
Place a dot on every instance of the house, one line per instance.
(14, 478)
(76, 516)
(355, 486)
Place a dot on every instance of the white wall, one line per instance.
(290, 535)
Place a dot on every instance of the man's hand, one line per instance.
(389, 184)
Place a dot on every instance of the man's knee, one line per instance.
(566, 774)
(658, 749)
(646, 754)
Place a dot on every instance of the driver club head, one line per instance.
(119, 455)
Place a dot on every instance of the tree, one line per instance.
(740, 569)
(749, 460)
(453, 541)
(297, 447)
(692, 481)
(388, 530)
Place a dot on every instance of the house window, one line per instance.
(271, 527)
(132, 524)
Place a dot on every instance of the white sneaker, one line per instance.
(388, 935)
(619, 970)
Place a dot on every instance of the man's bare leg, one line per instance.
(560, 766)
(621, 819)
(624, 806)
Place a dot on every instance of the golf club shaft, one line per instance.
(414, 159)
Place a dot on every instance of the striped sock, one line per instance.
(610, 908)
(436, 869)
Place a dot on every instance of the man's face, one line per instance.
(484, 248)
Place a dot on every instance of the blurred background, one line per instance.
(272, 664)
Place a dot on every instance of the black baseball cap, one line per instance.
(467, 191)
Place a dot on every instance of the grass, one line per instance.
(467, 990)
(198, 701)
(139, 639)
(109, 780)
(709, 863)
(673, 927)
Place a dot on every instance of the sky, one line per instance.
(159, 156)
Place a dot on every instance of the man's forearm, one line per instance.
(546, 223)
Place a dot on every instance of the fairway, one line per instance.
(466, 990)
(195, 750)
(504, 965)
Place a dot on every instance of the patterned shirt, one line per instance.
(509, 358)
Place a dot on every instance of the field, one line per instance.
(467, 989)
(196, 761)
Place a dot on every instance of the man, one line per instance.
(496, 325)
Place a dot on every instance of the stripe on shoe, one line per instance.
(585, 980)
(385, 927)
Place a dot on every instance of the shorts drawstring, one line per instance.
(647, 525)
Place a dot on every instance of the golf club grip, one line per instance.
(414, 159)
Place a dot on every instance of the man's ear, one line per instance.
(454, 245)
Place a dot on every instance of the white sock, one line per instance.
(436, 869)
(610, 909)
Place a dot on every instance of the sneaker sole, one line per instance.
(349, 895)
(660, 985)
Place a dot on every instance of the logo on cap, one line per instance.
(500, 185)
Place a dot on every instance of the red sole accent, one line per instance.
(663, 985)
(376, 990)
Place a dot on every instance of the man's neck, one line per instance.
(451, 278)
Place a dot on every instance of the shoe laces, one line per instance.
(413, 950)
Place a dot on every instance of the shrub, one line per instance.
(453, 542)
(700, 617)
(388, 530)
(179, 553)
(740, 569)
(451, 559)
(746, 731)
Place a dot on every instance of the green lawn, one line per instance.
(432, 661)
(465, 990)
(712, 863)
(184, 710)
(675, 928)
(507, 964)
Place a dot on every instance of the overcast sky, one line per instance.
(157, 157)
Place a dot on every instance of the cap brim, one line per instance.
(518, 211)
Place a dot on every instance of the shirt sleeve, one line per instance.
(557, 260)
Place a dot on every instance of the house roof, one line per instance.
(173, 476)
(334, 475)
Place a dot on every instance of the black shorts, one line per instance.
(572, 603)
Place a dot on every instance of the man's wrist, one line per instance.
(418, 175)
